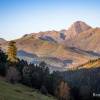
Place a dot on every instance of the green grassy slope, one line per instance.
(20, 92)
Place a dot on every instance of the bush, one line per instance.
(26, 74)
(44, 90)
(13, 75)
(85, 92)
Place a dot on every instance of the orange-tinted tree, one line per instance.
(63, 91)
(12, 52)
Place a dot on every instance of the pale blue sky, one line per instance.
(19, 17)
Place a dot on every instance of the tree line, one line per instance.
(34, 76)
(69, 85)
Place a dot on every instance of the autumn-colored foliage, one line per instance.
(62, 91)
(12, 52)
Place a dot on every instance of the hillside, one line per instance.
(20, 92)
(46, 49)
(91, 64)
(95, 63)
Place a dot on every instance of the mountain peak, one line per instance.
(81, 23)
(76, 28)
(78, 22)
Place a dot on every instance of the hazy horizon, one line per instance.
(19, 17)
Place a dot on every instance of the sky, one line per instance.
(19, 17)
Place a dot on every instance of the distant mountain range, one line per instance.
(60, 49)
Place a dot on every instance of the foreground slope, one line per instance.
(19, 92)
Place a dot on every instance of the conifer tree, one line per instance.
(3, 62)
(12, 52)
(62, 91)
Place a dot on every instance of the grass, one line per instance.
(20, 92)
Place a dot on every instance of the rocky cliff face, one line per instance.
(76, 28)
(88, 40)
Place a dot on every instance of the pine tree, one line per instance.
(62, 91)
(3, 62)
(12, 52)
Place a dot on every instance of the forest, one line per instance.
(80, 84)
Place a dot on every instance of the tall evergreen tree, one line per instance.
(12, 52)
(62, 91)
(3, 62)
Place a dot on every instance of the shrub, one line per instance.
(44, 90)
(13, 75)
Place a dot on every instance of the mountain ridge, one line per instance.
(60, 45)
